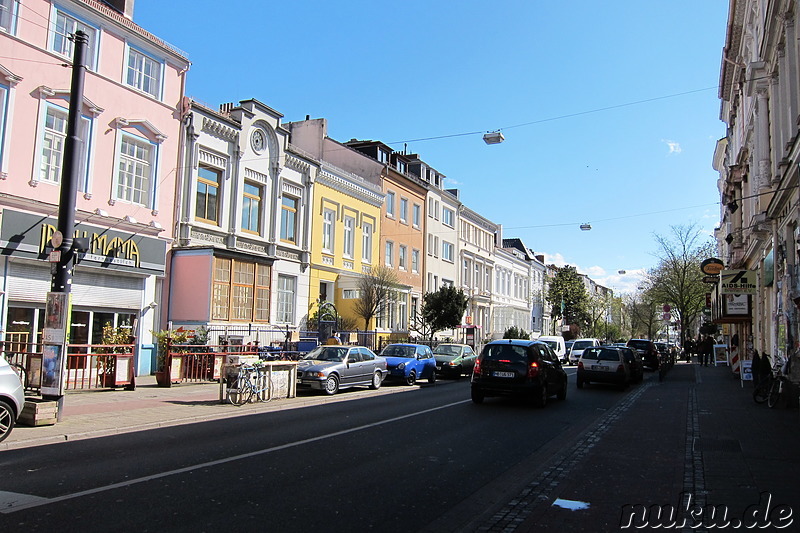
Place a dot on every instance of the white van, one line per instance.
(579, 346)
(556, 342)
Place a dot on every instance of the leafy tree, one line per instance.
(516, 333)
(643, 311)
(443, 309)
(677, 279)
(567, 296)
(376, 290)
(597, 307)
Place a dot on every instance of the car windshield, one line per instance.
(552, 344)
(396, 350)
(327, 353)
(505, 352)
(581, 345)
(447, 349)
(639, 345)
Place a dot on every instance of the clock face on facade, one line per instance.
(258, 140)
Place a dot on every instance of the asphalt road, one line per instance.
(426, 459)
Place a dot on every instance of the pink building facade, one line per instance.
(130, 133)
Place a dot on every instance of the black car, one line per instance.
(647, 351)
(635, 364)
(514, 367)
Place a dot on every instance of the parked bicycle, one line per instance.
(251, 381)
(776, 378)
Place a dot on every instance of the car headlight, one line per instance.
(401, 366)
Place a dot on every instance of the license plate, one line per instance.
(503, 374)
(598, 367)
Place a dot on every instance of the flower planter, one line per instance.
(162, 380)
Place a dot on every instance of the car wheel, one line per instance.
(411, 378)
(432, 377)
(562, 394)
(477, 396)
(377, 380)
(6, 420)
(331, 385)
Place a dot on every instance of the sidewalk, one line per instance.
(698, 433)
(98, 413)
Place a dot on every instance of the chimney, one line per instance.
(123, 6)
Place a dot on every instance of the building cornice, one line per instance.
(349, 184)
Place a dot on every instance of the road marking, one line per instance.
(13, 499)
(24, 501)
(572, 505)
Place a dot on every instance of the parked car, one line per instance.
(579, 346)
(557, 344)
(454, 360)
(635, 365)
(12, 398)
(410, 362)
(514, 367)
(331, 368)
(602, 364)
(647, 351)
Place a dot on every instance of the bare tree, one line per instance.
(677, 279)
(376, 290)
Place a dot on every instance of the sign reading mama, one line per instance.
(28, 235)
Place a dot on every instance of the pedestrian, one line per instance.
(333, 339)
(708, 349)
(755, 369)
(698, 349)
(688, 349)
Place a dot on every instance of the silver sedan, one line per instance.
(331, 367)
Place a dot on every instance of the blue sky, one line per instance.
(609, 109)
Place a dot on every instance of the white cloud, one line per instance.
(555, 259)
(674, 147)
(629, 282)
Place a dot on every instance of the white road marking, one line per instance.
(572, 505)
(29, 501)
(13, 499)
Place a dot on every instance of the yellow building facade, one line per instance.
(345, 241)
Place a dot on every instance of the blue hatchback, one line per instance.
(410, 362)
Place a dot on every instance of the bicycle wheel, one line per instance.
(761, 392)
(774, 393)
(241, 391)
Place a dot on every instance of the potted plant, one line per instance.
(167, 372)
(115, 353)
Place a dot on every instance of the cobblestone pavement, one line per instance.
(684, 447)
